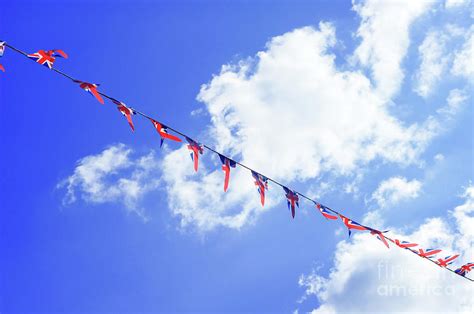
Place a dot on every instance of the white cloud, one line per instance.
(291, 113)
(456, 3)
(433, 62)
(367, 277)
(385, 34)
(395, 189)
(463, 64)
(112, 176)
(454, 102)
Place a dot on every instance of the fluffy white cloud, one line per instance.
(463, 64)
(454, 102)
(385, 34)
(456, 3)
(433, 62)
(291, 113)
(113, 176)
(394, 190)
(367, 277)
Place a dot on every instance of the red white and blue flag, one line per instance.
(195, 149)
(292, 200)
(47, 57)
(2, 50)
(126, 111)
(163, 131)
(464, 269)
(325, 212)
(405, 244)
(428, 253)
(351, 224)
(262, 184)
(91, 89)
(226, 165)
(448, 260)
(380, 236)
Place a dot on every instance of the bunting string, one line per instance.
(48, 58)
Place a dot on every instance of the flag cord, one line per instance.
(239, 163)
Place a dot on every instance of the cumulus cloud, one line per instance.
(292, 113)
(112, 176)
(456, 3)
(395, 189)
(366, 277)
(433, 62)
(385, 35)
(463, 64)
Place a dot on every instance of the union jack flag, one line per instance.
(325, 212)
(428, 253)
(351, 224)
(405, 244)
(195, 149)
(91, 89)
(162, 130)
(126, 111)
(262, 184)
(47, 57)
(448, 260)
(292, 199)
(226, 165)
(2, 48)
(464, 269)
(380, 236)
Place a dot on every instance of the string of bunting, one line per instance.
(48, 58)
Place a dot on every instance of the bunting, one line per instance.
(292, 199)
(196, 149)
(162, 130)
(226, 165)
(126, 111)
(48, 57)
(351, 224)
(464, 269)
(91, 89)
(2, 50)
(262, 184)
(326, 212)
(405, 244)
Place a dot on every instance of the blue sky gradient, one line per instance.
(155, 56)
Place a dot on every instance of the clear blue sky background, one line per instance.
(155, 56)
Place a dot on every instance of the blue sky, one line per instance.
(383, 135)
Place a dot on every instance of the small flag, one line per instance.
(162, 130)
(2, 68)
(428, 253)
(325, 212)
(464, 269)
(47, 57)
(448, 260)
(350, 224)
(226, 165)
(91, 89)
(2, 48)
(126, 111)
(262, 184)
(195, 149)
(292, 199)
(405, 244)
(380, 236)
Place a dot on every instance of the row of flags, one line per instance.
(48, 58)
